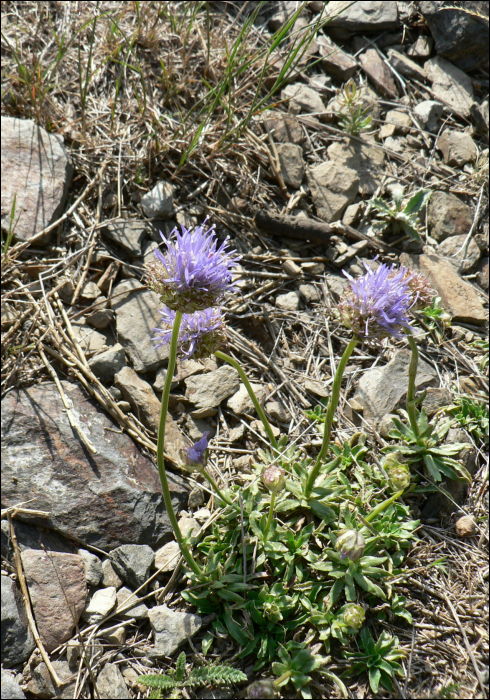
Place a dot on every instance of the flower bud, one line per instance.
(354, 616)
(273, 478)
(194, 458)
(399, 477)
(350, 544)
(261, 689)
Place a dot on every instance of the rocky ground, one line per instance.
(118, 123)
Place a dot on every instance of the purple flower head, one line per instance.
(200, 334)
(197, 453)
(192, 274)
(419, 287)
(377, 304)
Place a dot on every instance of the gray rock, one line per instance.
(132, 562)
(285, 128)
(278, 412)
(159, 201)
(386, 424)
(461, 253)
(117, 486)
(436, 398)
(314, 386)
(241, 402)
(106, 364)
(450, 85)
(238, 433)
(367, 161)
(457, 148)
(171, 629)
(11, 690)
(197, 427)
(166, 557)
(397, 144)
(306, 99)
(427, 113)
(401, 121)
(109, 576)
(111, 683)
(136, 317)
(336, 62)
(17, 640)
(288, 301)
(291, 163)
(363, 17)
(379, 73)
(207, 391)
(93, 567)
(459, 36)
(196, 498)
(189, 527)
(333, 187)
(42, 685)
(447, 216)
(139, 611)
(35, 169)
(405, 65)
(422, 47)
(90, 292)
(383, 389)
(128, 235)
(313, 268)
(101, 604)
(101, 316)
(336, 286)
(284, 9)
(90, 341)
(310, 293)
(58, 591)
(291, 269)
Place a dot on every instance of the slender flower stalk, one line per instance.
(274, 480)
(200, 334)
(332, 407)
(412, 373)
(267, 427)
(193, 565)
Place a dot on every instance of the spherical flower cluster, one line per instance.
(377, 304)
(200, 334)
(350, 544)
(262, 689)
(398, 472)
(353, 616)
(273, 478)
(419, 287)
(192, 275)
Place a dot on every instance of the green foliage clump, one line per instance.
(353, 117)
(400, 216)
(472, 414)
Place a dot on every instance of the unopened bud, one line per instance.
(273, 478)
(350, 544)
(399, 477)
(354, 616)
(261, 689)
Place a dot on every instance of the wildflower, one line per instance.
(350, 544)
(273, 478)
(398, 473)
(377, 304)
(420, 289)
(200, 334)
(354, 616)
(192, 275)
(194, 458)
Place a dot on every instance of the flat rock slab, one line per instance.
(207, 391)
(368, 162)
(58, 592)
(457, 296)
(136, 317)
(377, 70)
(333, 187)
(128, 235)
(448, 216)
(450, 85)
(363, 16)
(107, 499)
(382, 389)
(171, 628)
(35, 167)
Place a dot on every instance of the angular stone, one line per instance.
(367, 161)
(93, 567)
(132, 562)
(159, 201)
(166, 557)
(336, 62)
(333, 187)
(136, 317)
(171, 629)
(309, 292)
(101, 316)
(405, 66)
(241, 402)
(17, 640)
(458, 297)
(189, 527)
(278, 412)
(363, 16)
(44, 459)
(307, 99)
(457, 148)
(58, 591)
(111, 683)
(106, 364)
(400, 120)
(110, 578)
(462, 253)
(90, 292)
(146, 405)
(207, 391)
(36, 170)
(447, 216)
(450, 85)
(42, 685)
(422, 47)
(291, 269)
(196, 428)
(379, 73)
(285, 128)
(291, 163)
(314, 386)
(101, 604)
(313, 268)
(128, 235)
(427, 113)
(383, 389)
(284, 9)
(139, 611)
(288, 301)
(90, 341)
(10, 688)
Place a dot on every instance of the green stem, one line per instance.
(248, 386)
(216, 488)
(412, 373)
(269, 519)
(382, 506)
(160, 446)
(332, 407)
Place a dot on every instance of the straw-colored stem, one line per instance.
(332, 407)
(248, 386)
(160, 446)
